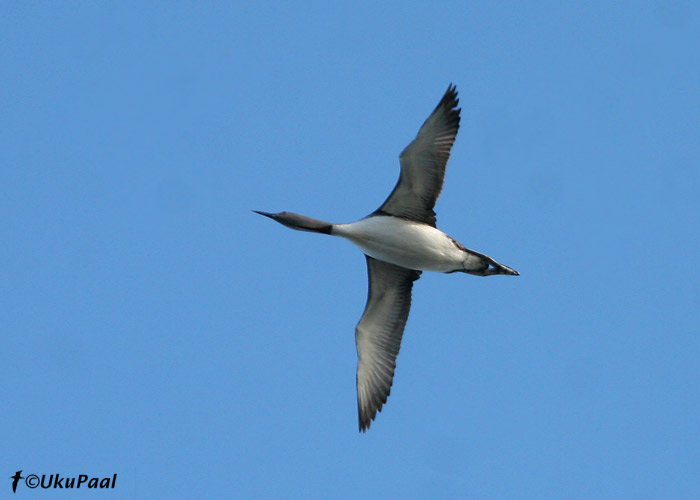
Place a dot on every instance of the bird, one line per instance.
(400, 240)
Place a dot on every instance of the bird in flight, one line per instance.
(400, 239)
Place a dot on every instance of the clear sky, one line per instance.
(154, 327)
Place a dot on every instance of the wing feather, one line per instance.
(378, 334)
(423, 164)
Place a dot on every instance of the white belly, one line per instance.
(404, 243)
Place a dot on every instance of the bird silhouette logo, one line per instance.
(15, 480)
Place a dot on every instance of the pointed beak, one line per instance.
(266, 214)
(509, 271)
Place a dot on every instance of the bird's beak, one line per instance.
(266, 214)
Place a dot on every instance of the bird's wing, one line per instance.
(378, 334)
(423, 164)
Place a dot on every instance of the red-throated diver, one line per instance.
(399, 241)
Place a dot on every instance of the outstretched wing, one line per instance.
(378, 334)
(423, 164)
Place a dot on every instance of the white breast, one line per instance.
(405, 243)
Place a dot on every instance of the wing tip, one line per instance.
(448, 107)
(363, 425)
(367, 410)
(365, 418)
(450, 99)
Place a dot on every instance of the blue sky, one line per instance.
(154, 327)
